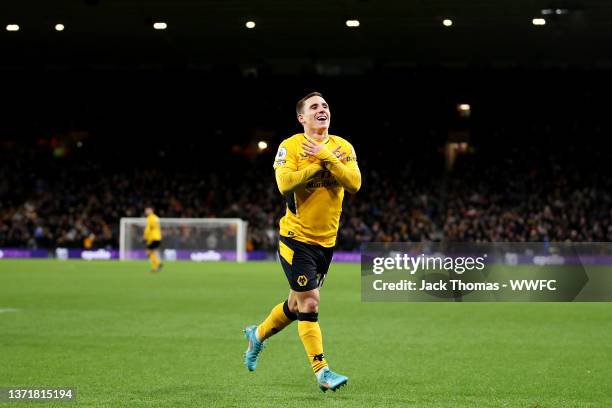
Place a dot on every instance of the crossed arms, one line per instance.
(349, 177)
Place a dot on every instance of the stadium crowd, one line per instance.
(55, 203)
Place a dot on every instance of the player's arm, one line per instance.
(147, 231)
(288, 180)
(288, 177)
(348, 175)
(157, 227)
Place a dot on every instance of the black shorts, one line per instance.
(305, 265)
(153, 245)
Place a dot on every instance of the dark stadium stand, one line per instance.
(76, 159)
(513, 195)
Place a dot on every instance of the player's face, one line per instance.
(148, 211)
(315, 114)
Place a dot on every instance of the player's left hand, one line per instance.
(339, 153)
(312, 148)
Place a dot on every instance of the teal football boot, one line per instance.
(329, 380)
(255, 347)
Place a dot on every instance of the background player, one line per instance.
(313, 169)
(152, 236)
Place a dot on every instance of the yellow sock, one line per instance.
(154, 259)
(279, 318)
(310, 334)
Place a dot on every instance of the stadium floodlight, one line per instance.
(12, 27)
(160, 25)
(195, 239)
(352, 23)
(262, 145)
(447, 22)
(538, 22)
(250, 24)
(59, 27)
(465, 107)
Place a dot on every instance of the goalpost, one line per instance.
(195, 239)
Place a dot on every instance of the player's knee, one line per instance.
(309, 305)
(293, 305)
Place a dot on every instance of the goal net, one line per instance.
(191, 239)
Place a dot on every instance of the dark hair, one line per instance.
(300, 104)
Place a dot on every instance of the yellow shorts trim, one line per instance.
(285, 252)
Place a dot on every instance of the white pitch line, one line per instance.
(8, 310)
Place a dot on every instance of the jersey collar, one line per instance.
(325, 140)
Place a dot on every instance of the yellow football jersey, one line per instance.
(313, 209)
(152, 231)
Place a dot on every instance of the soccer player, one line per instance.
(313, 170)
(152, 236)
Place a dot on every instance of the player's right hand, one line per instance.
(311, 147)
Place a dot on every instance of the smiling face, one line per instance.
(315, 115)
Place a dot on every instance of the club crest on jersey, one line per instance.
(302, 280)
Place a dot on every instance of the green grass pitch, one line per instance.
(127, 338)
